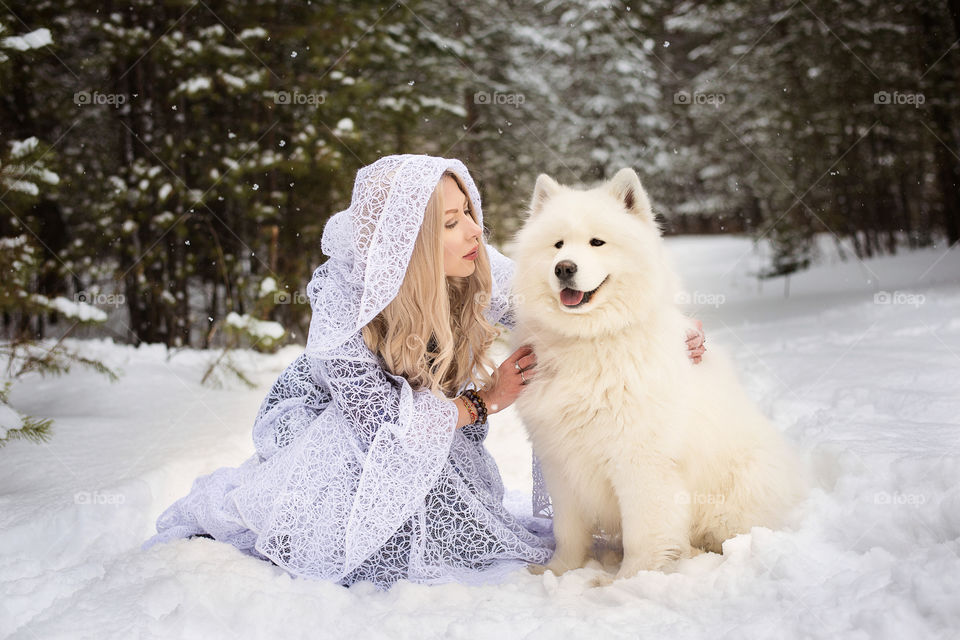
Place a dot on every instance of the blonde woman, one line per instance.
(369, 460)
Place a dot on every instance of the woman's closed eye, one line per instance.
(454, 223)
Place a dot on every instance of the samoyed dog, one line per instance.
(635, 441)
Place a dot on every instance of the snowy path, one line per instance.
(869, 390)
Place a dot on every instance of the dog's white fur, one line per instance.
(634, 439)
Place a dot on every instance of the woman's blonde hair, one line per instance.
(436, 341)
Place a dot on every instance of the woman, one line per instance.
(369, 461)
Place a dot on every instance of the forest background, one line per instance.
(166, 168)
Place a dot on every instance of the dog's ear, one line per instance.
(626, 187)
(545, 188)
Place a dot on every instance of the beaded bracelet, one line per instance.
(471, 409)
(478, 402)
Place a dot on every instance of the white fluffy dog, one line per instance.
(635, 441)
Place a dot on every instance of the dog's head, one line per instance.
(589, 261)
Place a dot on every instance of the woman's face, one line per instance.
(461, 234)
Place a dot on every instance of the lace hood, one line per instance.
(369, 244)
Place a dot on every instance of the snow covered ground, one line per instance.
(859, 366)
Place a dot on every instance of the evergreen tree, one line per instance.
(180, 158)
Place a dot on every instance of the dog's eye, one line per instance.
(559, 244)
(596, 242)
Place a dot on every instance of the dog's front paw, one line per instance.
(632, 565)
(654, 561)
(556, 566)
(602, 580)
(629, 570)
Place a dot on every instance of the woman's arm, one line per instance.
(369, 397)
(464, 417)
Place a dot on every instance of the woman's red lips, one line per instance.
(472, 254)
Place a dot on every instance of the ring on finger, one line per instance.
(523, 380)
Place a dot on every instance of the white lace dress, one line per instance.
(356, 476)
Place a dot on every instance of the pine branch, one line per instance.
(214, 375)
(96, 365)
(55, 361)
(36, 430)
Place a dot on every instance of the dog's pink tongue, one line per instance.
(571, 297)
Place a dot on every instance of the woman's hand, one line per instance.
(695, 342)
(509, 379)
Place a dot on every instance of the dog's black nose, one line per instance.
(565, 269)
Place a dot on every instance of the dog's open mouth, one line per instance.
(572, 298)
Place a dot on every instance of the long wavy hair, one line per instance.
(435, 341)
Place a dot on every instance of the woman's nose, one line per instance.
(474, 229)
